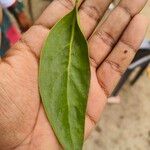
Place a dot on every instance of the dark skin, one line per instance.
(23, 123)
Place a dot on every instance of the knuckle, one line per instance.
(104, 87)
(115, 66)
(69, 4)
(28, 48)
(93, 62)
(93, 121)
(106, 37)
(126, 10)
(91, 10)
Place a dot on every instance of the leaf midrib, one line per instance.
(69, 66)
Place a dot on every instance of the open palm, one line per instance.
(112, 46)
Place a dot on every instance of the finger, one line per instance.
(108, 74)
(55, 11)
(106, 35)
(37, 34)
(114, 26)
(91, 11)
(116, 63)
(34, 38)
(96, 102)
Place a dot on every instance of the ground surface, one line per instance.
(124, 126)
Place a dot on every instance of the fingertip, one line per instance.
(136, 30)
(142, 20)
(55, 11)
(140, 25)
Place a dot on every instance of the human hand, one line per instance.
(23, 123)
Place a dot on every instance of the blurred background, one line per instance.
(125, 123)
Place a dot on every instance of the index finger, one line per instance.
(37, 34)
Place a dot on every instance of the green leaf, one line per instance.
(64, 78)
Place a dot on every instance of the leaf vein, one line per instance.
(69, 66)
